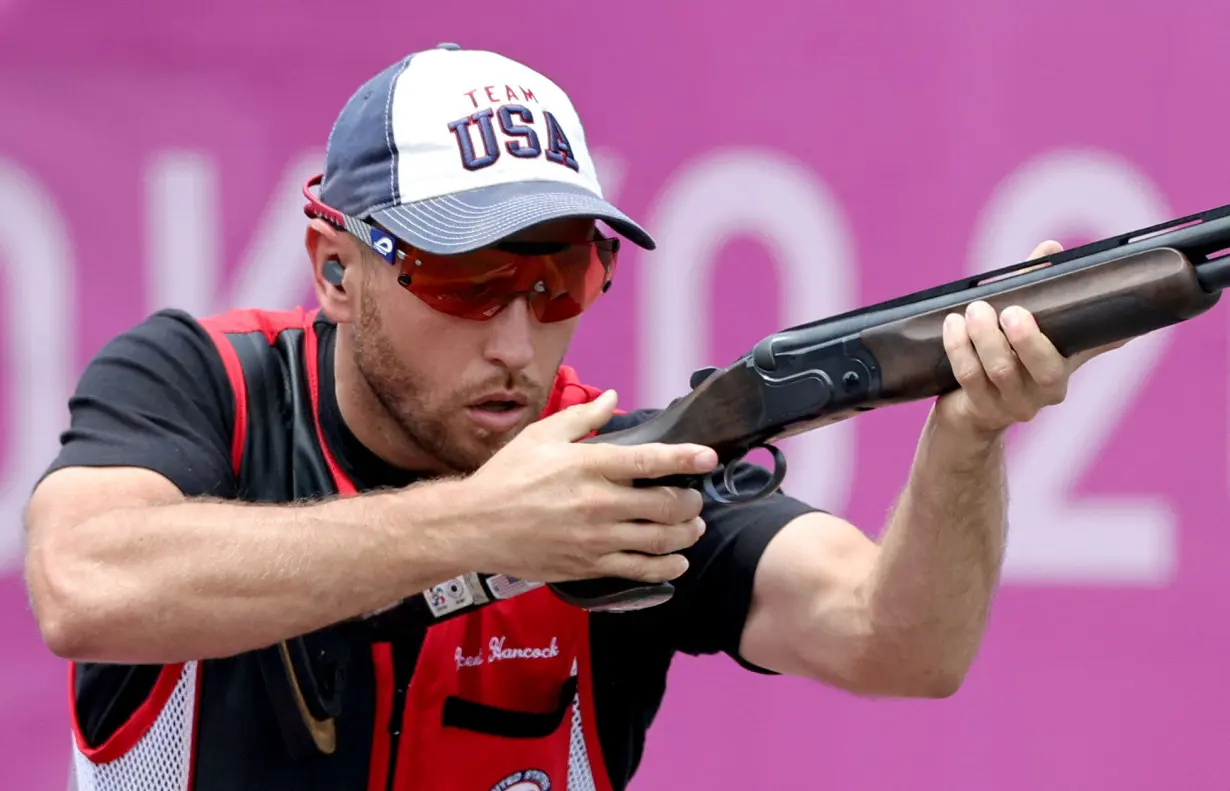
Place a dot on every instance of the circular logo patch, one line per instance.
(525, 780)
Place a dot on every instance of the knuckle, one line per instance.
(659, 542)
(1050, 377)
(669, 506)
(649, 569)
(580, 538)
(642, 571)
(678, 537)
(966, 374)
(627, 566)
(1023, 413)
(1001, 371)
(694, 504)
(684, 504)
(592, 503)
(594, 458)
(690, 532)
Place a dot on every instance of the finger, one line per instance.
(1045, 366)
(623, 463)
(665, 505)
(654, 539)
(1049, 247)
(643, 568)
(578, 421)
(998, 360)
(966, 367)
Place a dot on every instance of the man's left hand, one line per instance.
(1007, 369)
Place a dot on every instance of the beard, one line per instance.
(435, 422)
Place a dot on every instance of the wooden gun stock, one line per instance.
(1103, 304)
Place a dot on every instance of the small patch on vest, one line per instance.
(525, 780)
(503, 587)
(455, 594)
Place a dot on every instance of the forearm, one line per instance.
(939, 562)
(201, 579)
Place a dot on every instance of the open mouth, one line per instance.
(500, 413)
(498, 406)
(500, 402)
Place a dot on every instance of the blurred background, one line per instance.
(794, 159)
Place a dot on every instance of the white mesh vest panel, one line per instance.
(580, 774)
(160, 761)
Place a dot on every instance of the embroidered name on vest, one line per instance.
(497, 652)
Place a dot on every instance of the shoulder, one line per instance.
(170, 350)
(168, 344)
(169, 326)
(155, 396)
(176, 336)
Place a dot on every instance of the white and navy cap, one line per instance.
(452, 150)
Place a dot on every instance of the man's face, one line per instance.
(458, 389)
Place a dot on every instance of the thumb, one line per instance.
(579, 421)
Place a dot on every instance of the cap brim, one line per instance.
(466, 221)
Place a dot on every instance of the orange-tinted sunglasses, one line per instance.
(560, 281)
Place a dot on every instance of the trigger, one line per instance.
(700, 375)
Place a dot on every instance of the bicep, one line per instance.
(807, 616)
(71, 495)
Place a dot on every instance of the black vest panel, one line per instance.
(241, 744)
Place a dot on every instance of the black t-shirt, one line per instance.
(157, 396)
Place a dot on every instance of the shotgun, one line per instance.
(806, 377)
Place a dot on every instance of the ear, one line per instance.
(335, 268)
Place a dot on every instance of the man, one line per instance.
(232, 483)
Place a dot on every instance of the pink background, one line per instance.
(836, 154)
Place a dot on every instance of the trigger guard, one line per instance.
(777, 475)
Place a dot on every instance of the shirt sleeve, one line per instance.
(156, 396)
(713, 597)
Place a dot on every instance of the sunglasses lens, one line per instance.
(560, 284)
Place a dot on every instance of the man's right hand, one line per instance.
(550, 509)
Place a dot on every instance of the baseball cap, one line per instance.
(451, 150)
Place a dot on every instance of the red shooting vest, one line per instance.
(501, 699)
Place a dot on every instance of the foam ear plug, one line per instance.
(333, 272)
